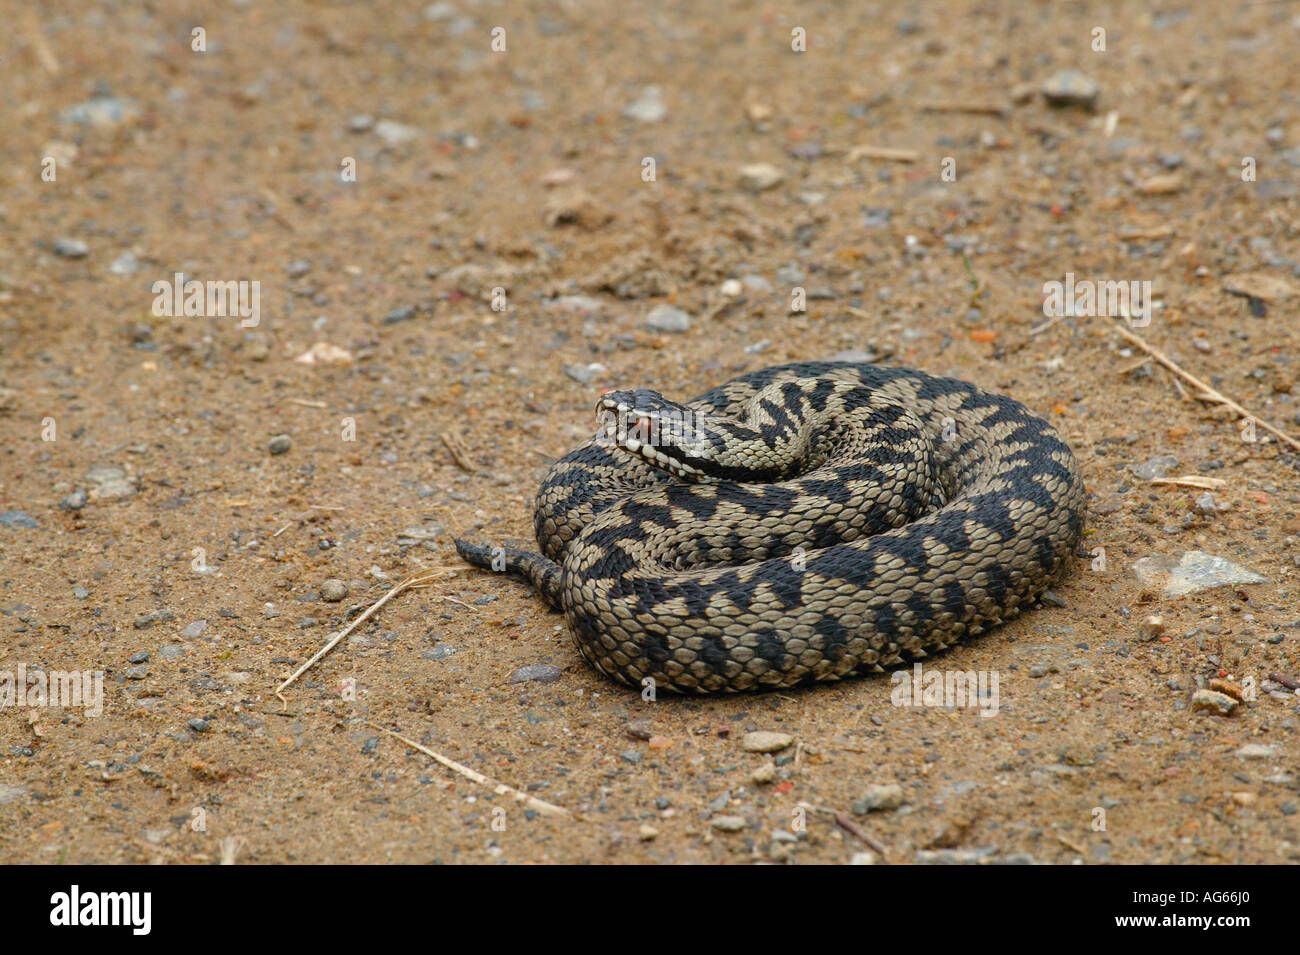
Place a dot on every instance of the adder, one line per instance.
(801, 523)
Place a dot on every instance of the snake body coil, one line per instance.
(800, 523)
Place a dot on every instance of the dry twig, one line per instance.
(501, 789)
(417, 582)
(882, 152)
(1210, 393)
(458, 452)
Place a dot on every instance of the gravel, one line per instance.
(75, 501)
(71, 248)
(536, 673)
(759, 177)
(648, 107)
(1192, 572)
(1156, 467)
(17, 519)
(153, 617)
(765, 742)
(1070, 88)
(333, 590)
(879, 797)
(666, 318)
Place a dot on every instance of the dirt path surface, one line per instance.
(612, 160)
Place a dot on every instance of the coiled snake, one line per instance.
(800, 523)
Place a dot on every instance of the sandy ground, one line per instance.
(191, 572)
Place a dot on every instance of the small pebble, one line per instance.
(333, 590)
(1071, 88)
(765, 742)
(666, 318)
(1151, 628)
(279, 444)
(9, 793)
(759, 177)
(649, 107)
(198, 725)
(1192, 572)
(157, 616)
(395, 134)
(141, 657)
(405, 313)
(1212, 702)
(536, 673)
(101, 111)
(1156, 467)
(1256, 751)
(71, 248)
(1164, 184)
(585, 374)
(124, 264)
(75, 501)
(879, 797)
(17, 519)
(728, 823)
(639, 729)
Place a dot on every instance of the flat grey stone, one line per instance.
(665, 318)
(1193, 572)
(17, 519)
(536, 673)
(1071, 88)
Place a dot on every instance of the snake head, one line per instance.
(663, 433)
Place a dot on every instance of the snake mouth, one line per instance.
(664, 437)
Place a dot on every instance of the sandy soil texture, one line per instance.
(465, 220)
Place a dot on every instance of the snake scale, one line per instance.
(800, 523)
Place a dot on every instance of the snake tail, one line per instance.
(541, 572)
